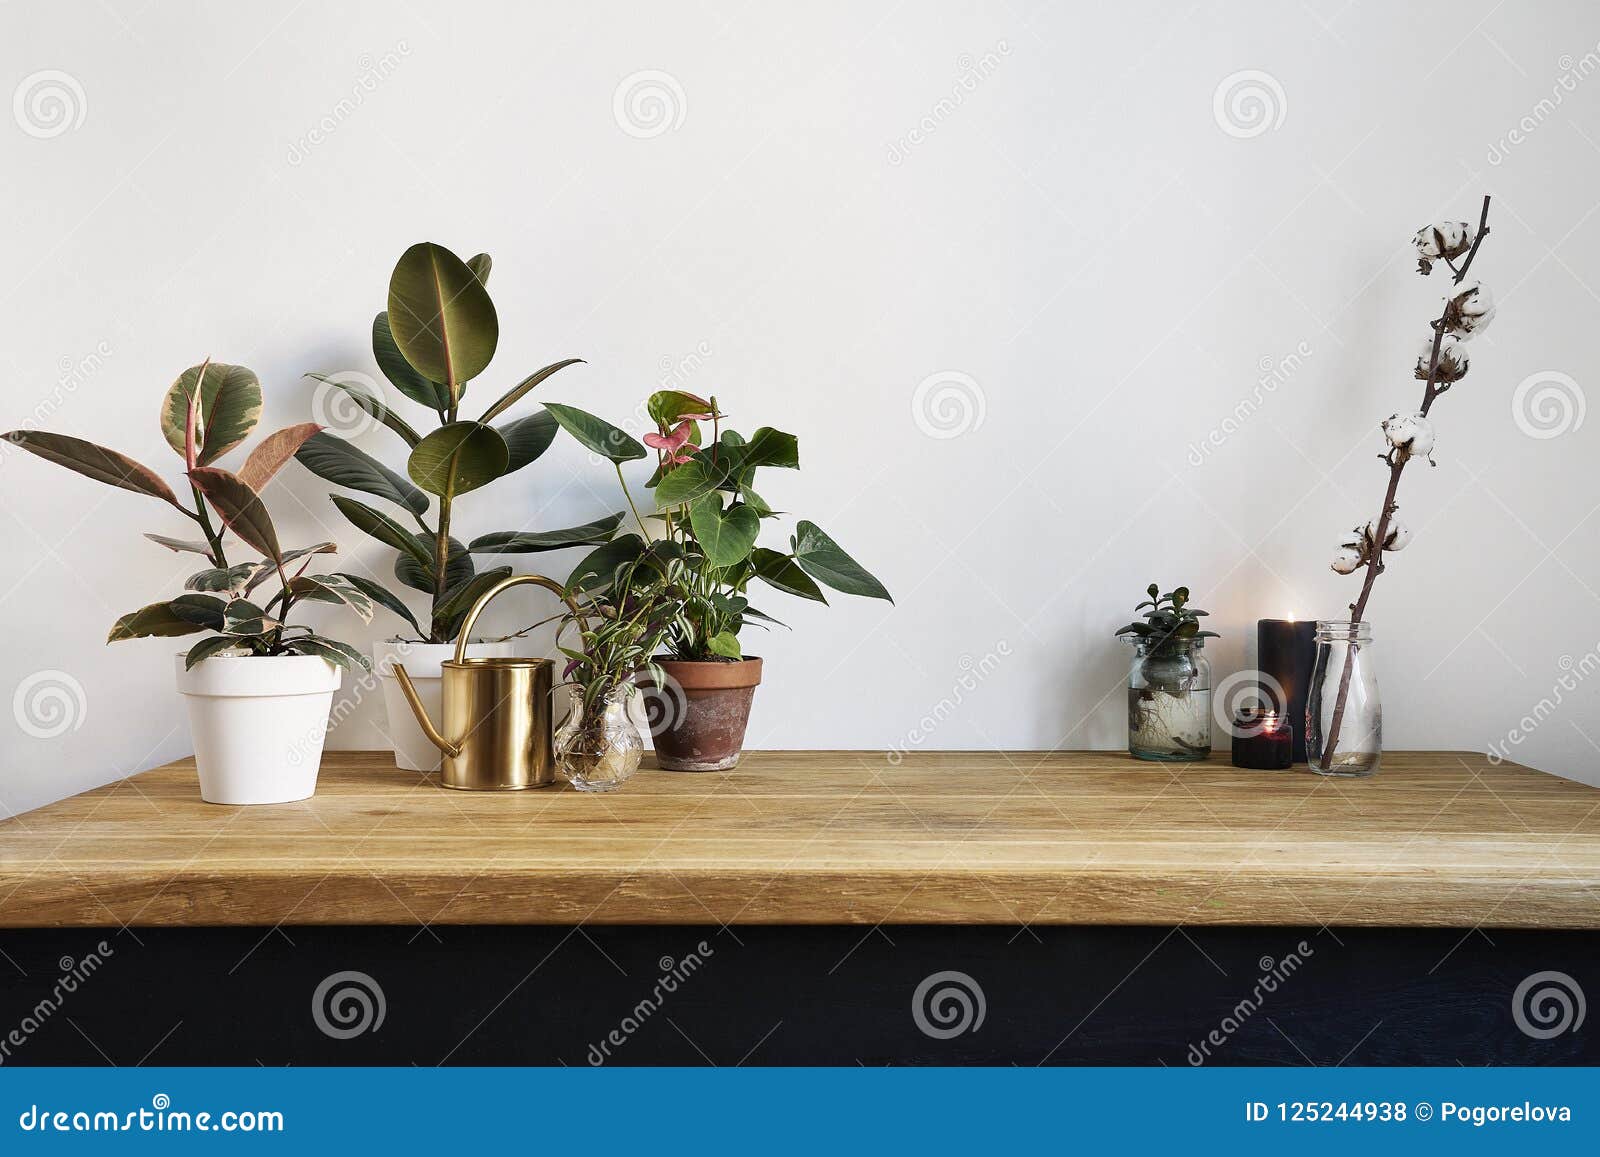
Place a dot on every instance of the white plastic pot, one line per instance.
(258, 724)
(412, 749)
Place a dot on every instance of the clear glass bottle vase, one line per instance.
(599, 749)
(1344, 740)
(1169, 701)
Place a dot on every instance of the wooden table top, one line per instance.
(1435, 839)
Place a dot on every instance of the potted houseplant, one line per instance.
(258, 687)
(438, 333)
(709, 515)
(1169, 682)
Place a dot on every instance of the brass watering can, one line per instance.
(496, 711)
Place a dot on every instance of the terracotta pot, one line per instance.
(698, 718)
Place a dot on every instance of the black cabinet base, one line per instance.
(796, 996)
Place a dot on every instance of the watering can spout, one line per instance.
(450, 749)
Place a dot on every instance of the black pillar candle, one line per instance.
(1285, 649)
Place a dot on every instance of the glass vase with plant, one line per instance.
(1169, 682)
(709, 517)
(439, 332)
(258, 686)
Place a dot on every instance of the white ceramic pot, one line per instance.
(412, 750)
(258, 724)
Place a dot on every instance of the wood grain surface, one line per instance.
(1436, 839)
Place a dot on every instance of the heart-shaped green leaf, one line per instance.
(725, 536)
(401, 373)
(783, 573)
(459, 457)
(94, 462)
(683, 484)
(597, 434)
(230, 406)
(769, 447)
(240, 507)
(441, 316)
(332, 458)
(821, 558)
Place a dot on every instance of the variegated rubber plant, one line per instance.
(709, 516)
(439, 332)
(210, 410)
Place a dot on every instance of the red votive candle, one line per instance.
(1263, 740)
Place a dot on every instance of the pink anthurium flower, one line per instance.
(675, 445)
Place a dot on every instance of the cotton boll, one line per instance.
(1453, 360)
(1468, 309)
(1410, 434)
(1442, 239)
(1397, 535)
(1349, 558)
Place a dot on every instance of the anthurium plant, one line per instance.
(439, 332)
(709, 517)
(209, 411)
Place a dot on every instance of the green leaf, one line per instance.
(157, 619)
(480, 264)
(401, 373)
(216, 579)
(337, 653)
(517, 392)
(205, 648)
(242, 617)
(94, 462)
(534, 542)
(200, 609)
(527, 438)
(821, 558)
(598, 568)
(665, 407)
(458, 599)
(597, 434)
(769, 447)
(333, 588)
(459, 457)
(230, 406)
(181, 544)
(259, 571)
(332, 458)
(684, 484)
(374, 406)
(272, 453)
(419, 576)
(725, 536)
(725, 644)
(384, 598)
(240, 507)
(441, 316)
(383, 528)
(783, 573)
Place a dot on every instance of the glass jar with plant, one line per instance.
(258, 686)
(439, 332)
(1169, 682)
(709, 516)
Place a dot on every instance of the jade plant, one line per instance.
(1169, 624)
(709, 517)
(438, 333)
(210, 410)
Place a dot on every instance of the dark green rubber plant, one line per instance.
(438, 333)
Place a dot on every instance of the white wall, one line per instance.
(1072, 229)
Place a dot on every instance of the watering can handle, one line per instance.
(504, 585)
